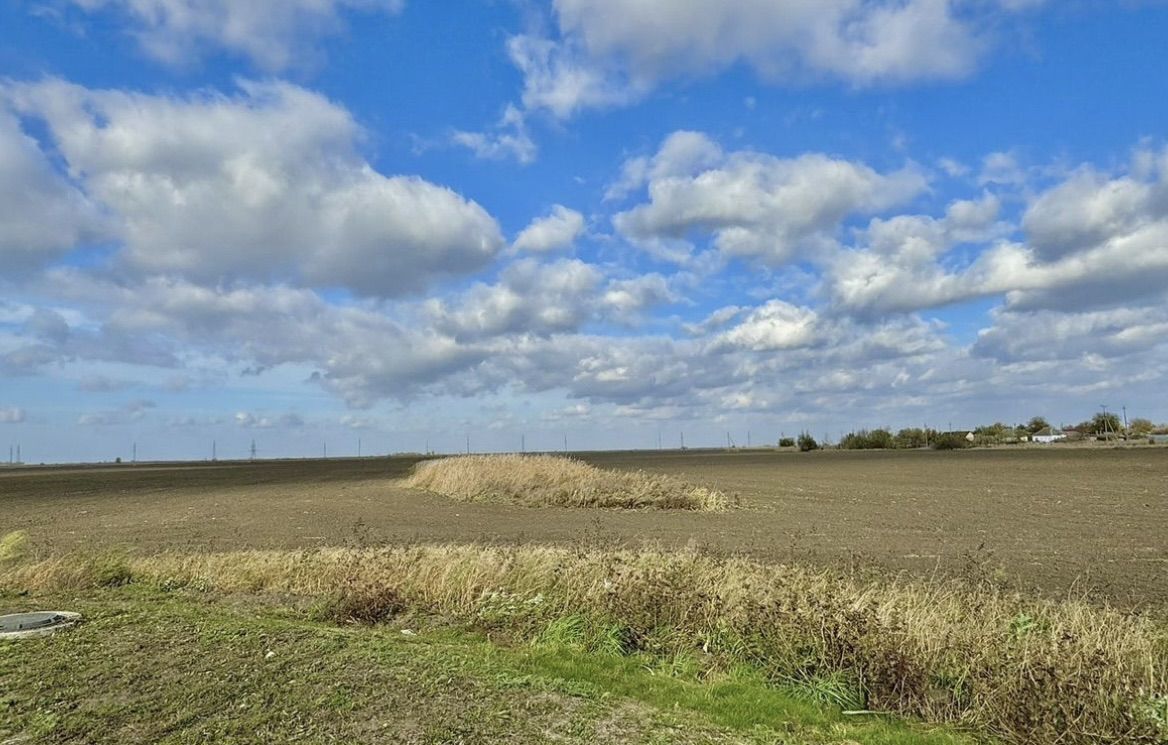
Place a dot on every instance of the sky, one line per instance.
(331, 226)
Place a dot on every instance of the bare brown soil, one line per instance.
(1089, 521)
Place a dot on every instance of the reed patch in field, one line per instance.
(553, 481)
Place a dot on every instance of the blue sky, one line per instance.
(406, 223)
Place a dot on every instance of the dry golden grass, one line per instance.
(1024, 669)
(551, 481)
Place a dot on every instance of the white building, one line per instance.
(1046, 436)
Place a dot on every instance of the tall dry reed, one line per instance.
(546, 481)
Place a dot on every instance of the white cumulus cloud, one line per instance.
(42, 215)
(557, 230)
(1090, 241)
(273, 34)
(264, 184)
(756, 205)
(611, 52)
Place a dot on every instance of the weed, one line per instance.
(568, 632)
(838, 689)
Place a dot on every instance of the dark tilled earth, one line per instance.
(1081, 520)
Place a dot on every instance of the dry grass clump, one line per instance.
(551, 481)
(1025, 669)
(360, 601)
(13, 547)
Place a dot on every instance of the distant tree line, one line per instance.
(1103, 425)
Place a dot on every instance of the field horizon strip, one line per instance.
(972, 656)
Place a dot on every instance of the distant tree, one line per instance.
(1140, 426)
(875, 439)
(950, 441)
(787, 442)
(911, 437)
(1036, 424)
(807, 442)
(853, 441)
(993, 433)
(1105, 423)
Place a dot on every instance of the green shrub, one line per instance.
(950, 441)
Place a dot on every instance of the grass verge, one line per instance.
(551, 481)
(1020, 668)
(183, 667)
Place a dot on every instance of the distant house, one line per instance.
(1047, 435)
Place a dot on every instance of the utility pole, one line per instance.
(18, 458)
(324, 450)
(134, 457)
(214, 454)
(468, 444)
(748, 439)
(565, 442)
(683, 439)
(358, 447)
(253, 450)
(1125, 419)
(523, 443)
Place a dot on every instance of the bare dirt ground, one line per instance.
(1054, 519)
